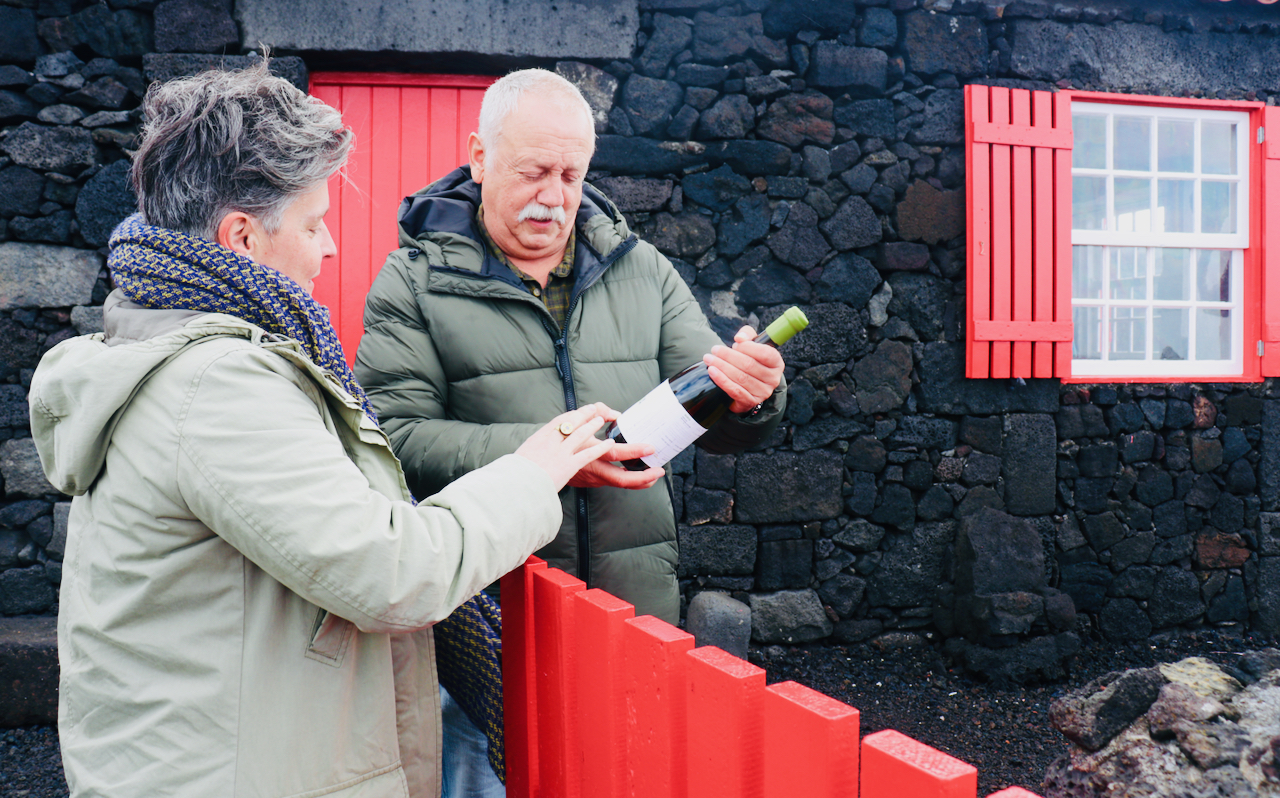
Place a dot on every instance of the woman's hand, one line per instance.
(567, 443)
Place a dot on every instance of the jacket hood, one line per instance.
(83, 385)
(442, 218)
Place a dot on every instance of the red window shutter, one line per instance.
(1271, 242)
(1018, 159)
(410, 130)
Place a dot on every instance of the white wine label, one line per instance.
(662, 422)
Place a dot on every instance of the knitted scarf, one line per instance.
(164, 269)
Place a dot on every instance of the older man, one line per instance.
(519, 291)
(248, 590)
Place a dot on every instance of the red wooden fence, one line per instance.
(602, 704)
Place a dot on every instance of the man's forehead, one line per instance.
(542, 129)
(546, 153)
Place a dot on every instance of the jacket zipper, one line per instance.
(561, 342)
(560, 339)
(564, 366)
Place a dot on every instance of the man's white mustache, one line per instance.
(542, 213)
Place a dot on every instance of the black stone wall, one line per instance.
(785, 153)
(790, 153)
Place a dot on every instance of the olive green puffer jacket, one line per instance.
(463, 363)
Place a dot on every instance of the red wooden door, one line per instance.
(410, 130)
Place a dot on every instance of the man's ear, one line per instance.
(238, 233)
(475, 156)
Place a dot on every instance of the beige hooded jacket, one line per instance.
(246, 594)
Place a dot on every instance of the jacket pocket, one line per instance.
(330, 638)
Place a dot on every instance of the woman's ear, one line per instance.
(239, 232)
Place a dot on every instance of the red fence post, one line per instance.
(559, 758)
(726, 716)
(519, 694)
(602, 719)
(896, 766)
(656, 697)
(810, 744)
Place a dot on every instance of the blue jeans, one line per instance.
(466, 755)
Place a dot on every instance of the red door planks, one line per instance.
(1017, 150)
(410, 130)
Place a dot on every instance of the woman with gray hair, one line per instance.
(249, 588)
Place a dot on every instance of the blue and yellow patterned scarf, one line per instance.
(164, 269)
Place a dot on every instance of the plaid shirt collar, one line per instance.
(561, 271)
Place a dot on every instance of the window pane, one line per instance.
(1213, 268)
(1133, 143)
(1177, 145)
(1087, 343)
(1090, 150)
(1133, 205)
(1218, 148)
(1087, 278)
(1170, 333)
(1217, 207)
(1128, 334)
(1173, 274)
(1128, 273)
(1160, 203)
(1213, 334)
(1175, 211)
(1089, 203)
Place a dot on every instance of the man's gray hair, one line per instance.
(241, 140)
(501, 99)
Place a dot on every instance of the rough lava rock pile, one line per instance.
(1190, 728)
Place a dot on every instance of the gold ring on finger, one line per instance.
(565, 428)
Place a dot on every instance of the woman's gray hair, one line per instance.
(241, 140)
(501, 99)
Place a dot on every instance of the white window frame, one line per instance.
(1236, 242)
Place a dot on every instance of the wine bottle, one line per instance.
(681, 409)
